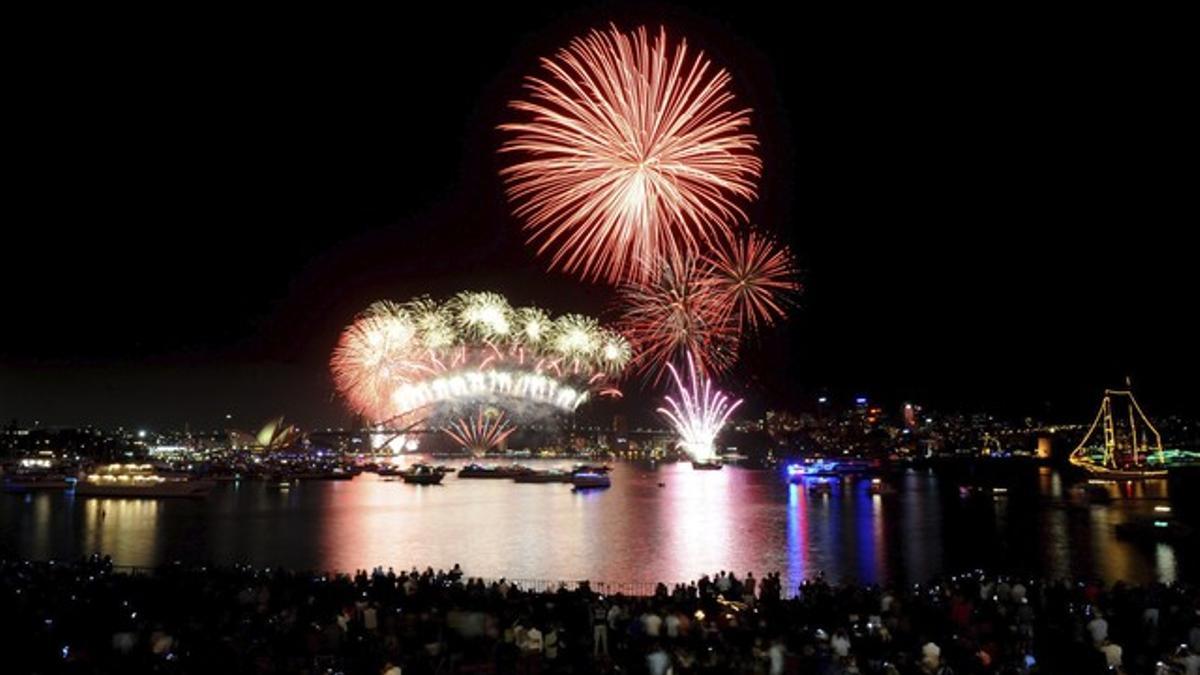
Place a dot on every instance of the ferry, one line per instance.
(831, 467)
(139, 481)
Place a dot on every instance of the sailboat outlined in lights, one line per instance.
(1130, 447)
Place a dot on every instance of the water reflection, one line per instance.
(1057, 548)
(665, 522)
(126, 529)
(797, 535)
(878, 539)
(697, 522)
(920, 526)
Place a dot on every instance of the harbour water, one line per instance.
(656, 523)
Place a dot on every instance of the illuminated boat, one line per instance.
(422, 474)
(1131, 448)
(587, 481)
(34, 474)
(710, 465)
(140, 481)
(832, 467)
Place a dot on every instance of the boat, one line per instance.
(710, 465)
(1130, 448)
(140, 481)
(35, 474)
(332, 474)
(1159, 527)
(588, 480)
(481, 471)
(32, 483)
(832, 467)
(34, 479)
(1127, 474)
(545, 476)
(422, 474)
(878, 487)
(591, 468)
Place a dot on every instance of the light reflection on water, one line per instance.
(665, 522)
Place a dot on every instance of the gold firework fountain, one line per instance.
(1121, 443)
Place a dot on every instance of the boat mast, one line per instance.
(1110, 441)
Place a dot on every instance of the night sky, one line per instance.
(990, 211)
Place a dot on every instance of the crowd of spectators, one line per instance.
(86, 617)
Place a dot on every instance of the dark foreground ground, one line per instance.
(86, 617)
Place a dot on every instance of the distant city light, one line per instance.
(822, 400)
(861, 400)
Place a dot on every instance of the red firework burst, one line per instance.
(632, 151)
(683, 312)
(757, 276)
(480, 433)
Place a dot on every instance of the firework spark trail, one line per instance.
(679, 315)
(629, 151)
(398, 357)
(757, 275)
(699, 413)
(480, 433)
